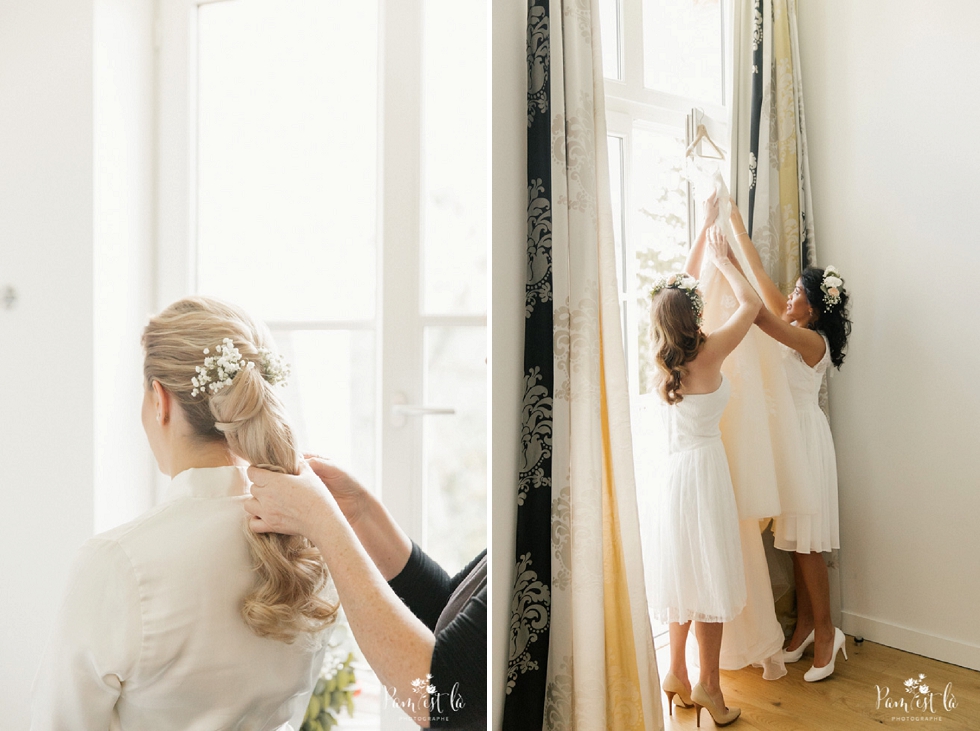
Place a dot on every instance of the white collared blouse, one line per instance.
(151, 637)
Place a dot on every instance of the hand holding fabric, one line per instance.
(710, 210)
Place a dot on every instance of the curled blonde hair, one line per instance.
(677, 339)
(286, 601)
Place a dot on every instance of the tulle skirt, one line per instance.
(697, 570)
(819, 531)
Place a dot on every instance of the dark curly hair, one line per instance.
(835, 324)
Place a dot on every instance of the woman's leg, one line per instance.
(709, 647)
(814, 570)
(804, 610)
(678, 652)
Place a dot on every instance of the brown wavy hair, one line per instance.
(677, 339)
(248, 414)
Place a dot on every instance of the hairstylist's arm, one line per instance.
(394, 641)
(385, 542)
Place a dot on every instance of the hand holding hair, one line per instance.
(352, 497)
(289, 504)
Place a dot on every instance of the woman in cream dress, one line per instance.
(183, 618)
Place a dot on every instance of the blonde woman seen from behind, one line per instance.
(184, 618)
(700, 575)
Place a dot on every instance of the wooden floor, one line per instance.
(845, 701)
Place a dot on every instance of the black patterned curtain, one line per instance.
(527, 672)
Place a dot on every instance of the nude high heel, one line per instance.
(795, 655)
(814, 673)
(719, 715)
(672, 686)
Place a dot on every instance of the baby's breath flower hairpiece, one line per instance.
(684, 282)
(831, 287)
(275, 369)
(219, 369)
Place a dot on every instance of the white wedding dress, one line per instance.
(766, 452)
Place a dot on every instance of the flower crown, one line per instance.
(684, 282)
(831, 287)
(219, 370)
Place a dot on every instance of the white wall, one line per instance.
(509, 221)
(123, 251)
(60, 175)
(892, 114)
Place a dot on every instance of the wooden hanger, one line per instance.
(699, 135)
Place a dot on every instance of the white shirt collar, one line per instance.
(208, 482)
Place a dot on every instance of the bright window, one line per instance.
(324, 165)
(665, 63)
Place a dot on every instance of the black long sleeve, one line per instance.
(459, 657)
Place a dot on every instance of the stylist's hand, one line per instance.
(290, 504)
(351, 496)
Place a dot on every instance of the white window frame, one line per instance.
(628, 104)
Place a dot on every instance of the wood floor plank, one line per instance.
(848, 700)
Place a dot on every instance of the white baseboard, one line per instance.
(910, 640)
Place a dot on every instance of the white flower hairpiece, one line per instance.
(275, 369)
(684, 282)
(219, 370)
(831, 288)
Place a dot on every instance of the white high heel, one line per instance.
(814, 674)
(795, 655)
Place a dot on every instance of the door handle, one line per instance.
(401, 411)
(420, 410)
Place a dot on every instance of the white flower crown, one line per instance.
(684, 282)
(831, 287)
(219, 370)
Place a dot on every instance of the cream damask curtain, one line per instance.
(582, 654)
(770, 167)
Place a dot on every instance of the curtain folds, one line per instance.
(770, 166)
(581, 650)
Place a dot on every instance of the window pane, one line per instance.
(660, 230)
(616, 192)
(287, 107)
(610, 38)
(330, 395)
(454, 157)
(455, 447)
(682, 42)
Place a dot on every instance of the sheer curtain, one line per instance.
(770, 170)
(582, 653)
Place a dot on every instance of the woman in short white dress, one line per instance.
(700, 574)
(813, 325)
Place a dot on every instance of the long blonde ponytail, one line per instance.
(247, 413)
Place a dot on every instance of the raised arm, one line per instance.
(725, 339)
(395, 643)
(803, 340)
(773, 298)
(696, 256)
